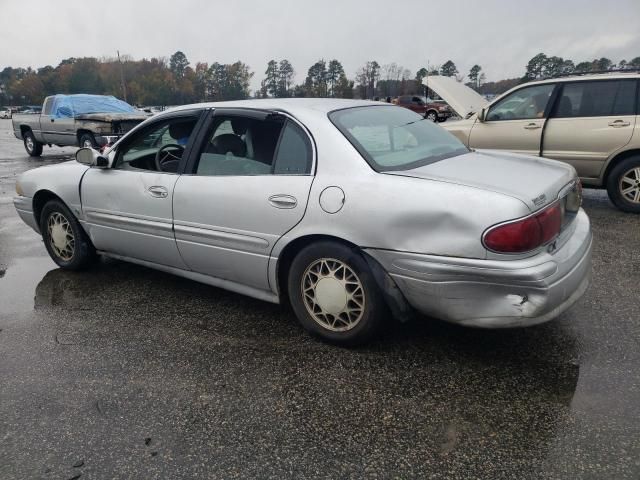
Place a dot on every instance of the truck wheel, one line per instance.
(623, 185)
(87, 141)
(334, 294)
(31, 145)
(431, 115)
(65, 240)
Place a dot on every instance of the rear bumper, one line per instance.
(495, 293)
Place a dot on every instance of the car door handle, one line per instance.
(158, 192)
(619, 123)
(283, 201)
(532, 126)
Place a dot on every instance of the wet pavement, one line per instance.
(125, 372)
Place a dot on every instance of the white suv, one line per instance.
(588, 121)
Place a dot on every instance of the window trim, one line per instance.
(256, 113)
(198, 114)
(636, 111)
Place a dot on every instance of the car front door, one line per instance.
(248, 186)
(515, 122)
(128, 208)
(590, 121)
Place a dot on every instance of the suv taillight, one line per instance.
(527, 234)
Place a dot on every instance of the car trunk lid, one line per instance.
(462, 99)
(535, 181)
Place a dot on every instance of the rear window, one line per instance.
(392, 138)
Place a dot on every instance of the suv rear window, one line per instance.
(597, 98)
(392, 138)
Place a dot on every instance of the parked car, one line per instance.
(346, 209)
(5, 113)
(436, 112)
(588, 121)
(75, 120)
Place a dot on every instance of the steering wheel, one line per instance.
(169, 158)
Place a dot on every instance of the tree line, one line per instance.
(173, 81)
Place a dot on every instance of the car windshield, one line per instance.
(393, 138)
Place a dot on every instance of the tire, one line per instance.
(326, 265)
(623, 185)
(431, 115)
(87, 141)
(31, 145)
(67, 243)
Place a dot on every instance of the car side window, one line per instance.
(596, 98)
(294, 155)
(523, 104)
(241, 146)
(157, 147)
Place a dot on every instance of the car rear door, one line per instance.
(590, 121)
(248, 186)
(128, 208)
(515, 122)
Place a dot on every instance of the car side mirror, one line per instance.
(92, 158)
(482, 115)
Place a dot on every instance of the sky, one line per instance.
(499, 35)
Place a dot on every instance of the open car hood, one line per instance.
(462, 99)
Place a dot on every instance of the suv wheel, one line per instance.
(431, 115)
(334, 294)
(31, 145)
(65, 240)
(623, 185)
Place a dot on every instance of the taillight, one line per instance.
(527, 234)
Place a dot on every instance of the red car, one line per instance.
(436, 112)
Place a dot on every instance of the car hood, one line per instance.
(533, 180)
(111, 117)
(462, 99)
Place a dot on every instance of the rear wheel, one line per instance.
(65, 240)
(87, 141)
(31, 145)
(623, 185)
(335, 295)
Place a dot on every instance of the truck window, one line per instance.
(48, 103)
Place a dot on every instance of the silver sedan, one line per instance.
(349, 210)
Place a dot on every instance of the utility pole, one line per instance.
(124, 87)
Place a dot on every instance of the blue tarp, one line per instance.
(66, 106)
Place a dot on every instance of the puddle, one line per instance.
(19, 282)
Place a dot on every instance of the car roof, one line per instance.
(293, 106)
(587, 76)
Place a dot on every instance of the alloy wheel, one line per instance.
(333, 294)
(630, 185)
(29, 143)
(61, 236)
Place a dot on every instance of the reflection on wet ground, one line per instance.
(124, 372)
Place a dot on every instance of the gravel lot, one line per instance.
(125, 372)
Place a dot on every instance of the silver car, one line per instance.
(349, 210)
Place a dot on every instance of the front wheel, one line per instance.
(431, 115)
(65, 240)
(31, 145)
(623, 185)
(87, 141)
(334, 294)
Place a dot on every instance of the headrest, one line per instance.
(230, 143)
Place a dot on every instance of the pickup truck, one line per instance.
(436, 112)
(76, 120)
